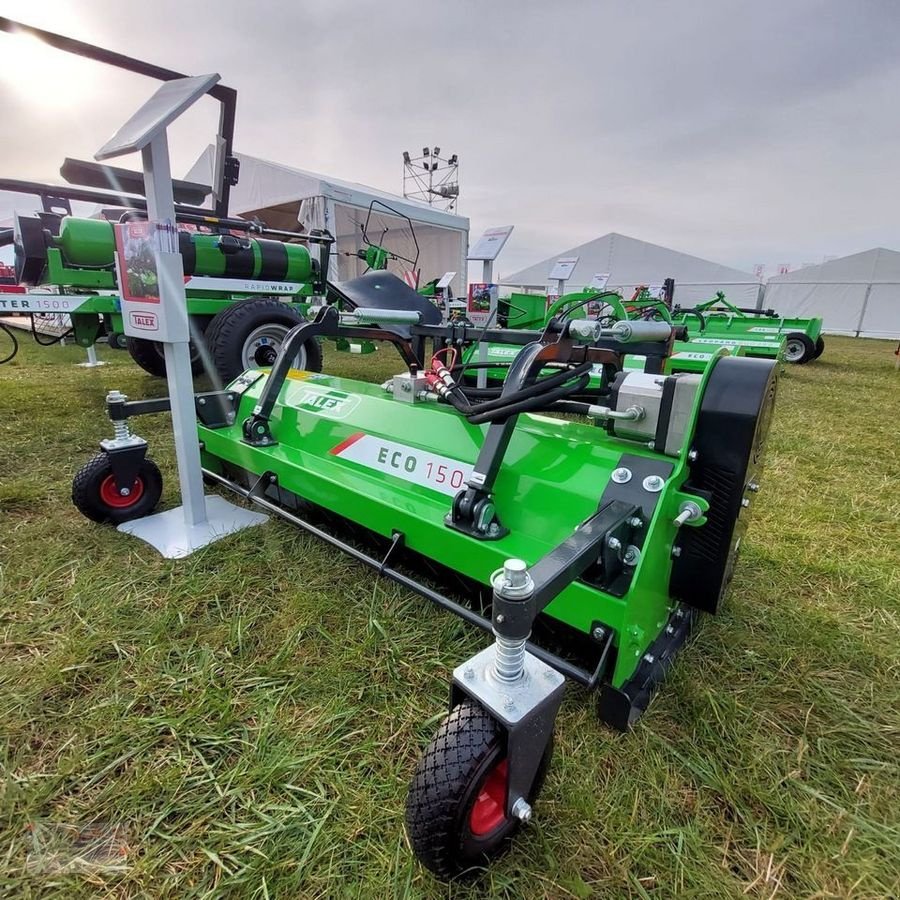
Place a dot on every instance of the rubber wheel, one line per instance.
(150, 355)
(95, 495)
(115, 341)
(248, 335)
(455, 811)
(798, 348)
(820, 347)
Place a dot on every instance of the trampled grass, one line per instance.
(245, 722)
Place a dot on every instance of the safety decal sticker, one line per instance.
(430, 470)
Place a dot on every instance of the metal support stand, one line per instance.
(487, 276)
(92, 361)
(200, 520)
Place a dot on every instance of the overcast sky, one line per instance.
(744, 132)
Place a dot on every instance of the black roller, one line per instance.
(729, 441)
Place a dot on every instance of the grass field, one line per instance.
(244, 723)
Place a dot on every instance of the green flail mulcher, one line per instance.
(759, 332)
(586, 526)
(531, 311)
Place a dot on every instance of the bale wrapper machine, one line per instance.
(586, 526)
(246, 285)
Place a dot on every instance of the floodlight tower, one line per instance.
(432, 178)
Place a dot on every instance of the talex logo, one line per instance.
(335, 404)
(145, 321)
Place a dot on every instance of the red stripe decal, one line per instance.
(343, 445)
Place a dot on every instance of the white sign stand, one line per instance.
(201, 519)
(561, 272)
(487, 248)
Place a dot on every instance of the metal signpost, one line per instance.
(161, 314)
(562, 272)
(487, 248)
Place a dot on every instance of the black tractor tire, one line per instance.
(729, 445)
(798, 348)
(150, 355)
(95, 496)
(820, 347)
(231, 333)
(468, 750)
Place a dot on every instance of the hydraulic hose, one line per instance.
(53, 340)
(540, 401)
(539, 388)
(15, 344)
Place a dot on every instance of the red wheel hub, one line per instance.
(489, 810)
(110, 495)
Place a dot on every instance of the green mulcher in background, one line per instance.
(759, 332)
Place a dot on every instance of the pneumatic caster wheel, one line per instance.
(820, 347)
(95, 494)
(456, 809)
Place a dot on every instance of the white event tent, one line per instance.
(631, 262)
(857, 295)
(296, 200)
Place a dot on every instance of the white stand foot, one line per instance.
(92, 360)
(174, 538)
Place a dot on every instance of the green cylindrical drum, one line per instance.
(86, 242)
(90, 243)
(233, 257)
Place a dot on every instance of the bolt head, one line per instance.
(500, 618)
(522, 810)
(621, 475)
(692, 456)
(509, 704)
(202, 401)
(124, 492)
(613, 543)
(753, 487)
(745, 502)
(598, 633)
(653, 483)
(676, 552)
(649, 658)
(468, 673)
